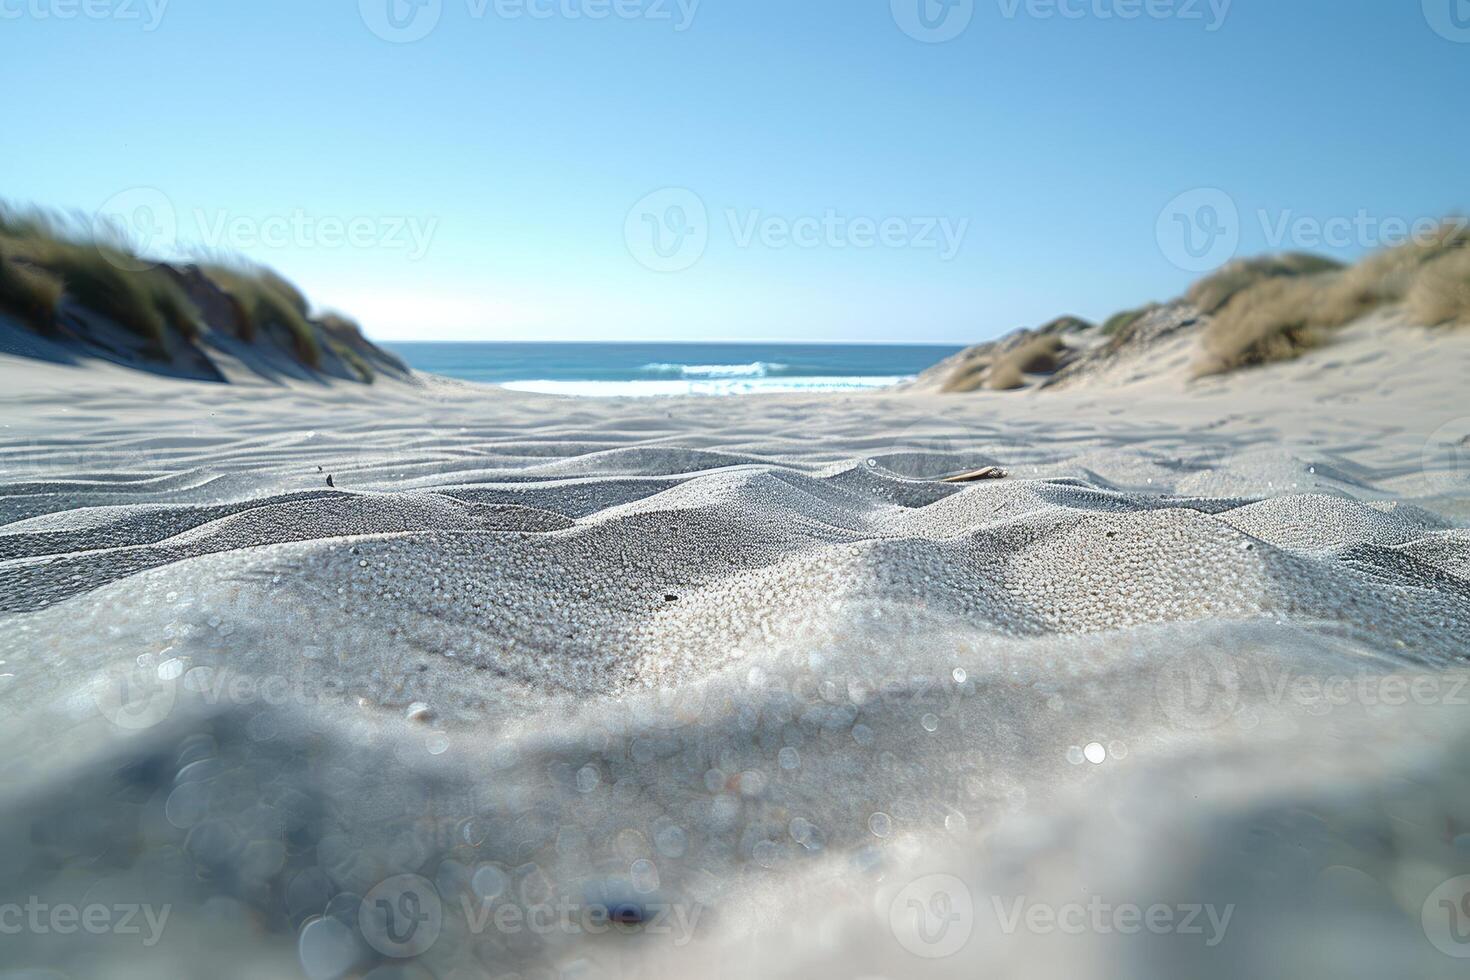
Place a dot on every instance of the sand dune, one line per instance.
(743, 670)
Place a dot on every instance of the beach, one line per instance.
(737, 687)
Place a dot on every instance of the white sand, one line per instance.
(745, 666)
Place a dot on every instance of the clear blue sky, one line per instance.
(521, 143)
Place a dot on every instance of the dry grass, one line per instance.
(1279, 317)
(966, 377)
(1036, 356)
(1388, 276)
(1005, 377)
(1214, 291)
(1440, 293)
(29, 294)
(1274, 320)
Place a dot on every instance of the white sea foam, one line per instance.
(755, 369)
(711, 386)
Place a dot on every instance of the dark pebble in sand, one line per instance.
(626, 913)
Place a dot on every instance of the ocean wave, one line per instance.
(756, 369)
(709, 387)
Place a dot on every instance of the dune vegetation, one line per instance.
(1119, 323)
(1440, 293)
(99, 274)
(1279, 315)
(1040, 355)
(28, 293)
(266, 303)
(56, 271)
(1247, 313)
(344, 335)
(1213, 292)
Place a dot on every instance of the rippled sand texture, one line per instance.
(743, 674)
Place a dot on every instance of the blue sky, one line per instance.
(813, 169)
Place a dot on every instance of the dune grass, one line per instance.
(1119, 323)
(53, 265)
(342, 335)
(99, 274)
(343, 327)
(1389, 276)
(1213, 292)
(28, 293)
(264, 301)
(967, 377)
(1279, 317)
(1065, 324)
(1274, 320)
(1005, 376)
(1440, 293)
(1036, 356)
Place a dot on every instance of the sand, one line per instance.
(1182, 695)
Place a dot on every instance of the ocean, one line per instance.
(674, 369)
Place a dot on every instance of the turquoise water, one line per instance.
(674, 369)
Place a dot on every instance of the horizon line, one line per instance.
(705, 343)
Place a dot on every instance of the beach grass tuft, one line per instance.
(1280, 316)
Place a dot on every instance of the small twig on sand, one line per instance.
(974, 476)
